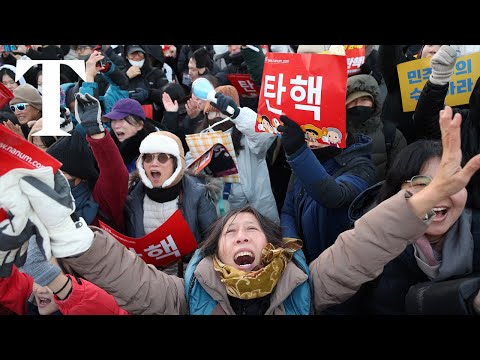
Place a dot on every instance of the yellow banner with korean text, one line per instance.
(414, 74)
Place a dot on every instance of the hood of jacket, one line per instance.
(368, 84)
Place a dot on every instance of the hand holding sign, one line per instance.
(47, 191)
(293, 137)
(16, 229)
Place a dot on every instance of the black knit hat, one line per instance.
(75, 155)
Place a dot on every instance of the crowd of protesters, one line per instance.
(389, 224)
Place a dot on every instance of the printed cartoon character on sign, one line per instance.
(334, 136)
(266, 125)
(313, 134)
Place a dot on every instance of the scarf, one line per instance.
(258, 283)
(161, 195)
(129, 149)
(456, 254)
(85, 206)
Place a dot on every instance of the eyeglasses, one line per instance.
(161, 157)
(418, 182)
(19, 107)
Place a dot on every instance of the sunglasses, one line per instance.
(161, 157)
(19, 107)
(418, 182)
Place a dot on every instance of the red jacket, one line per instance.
(111, 188)
(85, 298)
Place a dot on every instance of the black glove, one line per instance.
(293, 137)
(140, 95)
(223, 102)
(87, 113)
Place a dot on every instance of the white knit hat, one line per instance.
(162, 142)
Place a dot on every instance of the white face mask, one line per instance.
(137, 63)
(39, 88)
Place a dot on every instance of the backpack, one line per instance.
(199, 302)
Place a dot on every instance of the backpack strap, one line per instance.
(389, 132)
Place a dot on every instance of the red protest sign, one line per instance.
(355, 58)
(244, 84)
(308, 88)
(5, 95)
(162, 246)
(16, 152)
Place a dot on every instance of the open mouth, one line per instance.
(244, 259)
(155, 174)
(120, 134)
(42, 302)
(440, 213)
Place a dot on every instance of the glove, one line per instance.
(140, 94)
(66, 123)
(442, 64)
(14, 245)
(17, 230)
(293, 137)
(87, 113)
(38, 267)
(223, 102)
(44, 191)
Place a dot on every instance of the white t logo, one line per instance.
(50, 91)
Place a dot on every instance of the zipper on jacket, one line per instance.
(190, 288)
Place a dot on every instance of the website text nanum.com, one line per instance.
(20, 155)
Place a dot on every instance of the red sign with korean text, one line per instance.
(355, 58)
(17, 152)
(308, 88)
(244, 84)
(162, 246)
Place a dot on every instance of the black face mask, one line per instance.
(236, 59)
(357, 115)
(326, 153)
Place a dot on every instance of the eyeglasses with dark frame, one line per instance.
(19, 107)
(161, 157)
(419, 182)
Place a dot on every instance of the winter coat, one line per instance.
(199, 212)
(357, 256)
(373, 127)
(85, 298)
(316, 205)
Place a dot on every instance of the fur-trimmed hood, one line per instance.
(162, 142)
(213, 185)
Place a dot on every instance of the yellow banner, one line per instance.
(414, 74)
